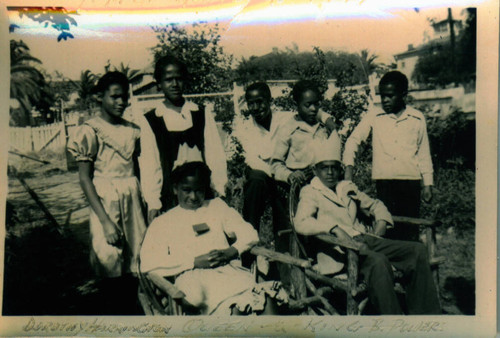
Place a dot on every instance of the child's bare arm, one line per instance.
(111, 232)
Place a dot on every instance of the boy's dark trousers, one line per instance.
(259, 191)
(408, 257)
(402, 198)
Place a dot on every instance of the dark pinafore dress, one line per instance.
(168, 143)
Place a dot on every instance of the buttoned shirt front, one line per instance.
(257, 141)
(149, 161)
(400, 145)
(293, 146)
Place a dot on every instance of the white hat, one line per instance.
(187, 154)
(327, 150)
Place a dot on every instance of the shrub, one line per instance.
(454, 199)
(452, 139)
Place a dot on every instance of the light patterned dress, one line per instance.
(112, 149)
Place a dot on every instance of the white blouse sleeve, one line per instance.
(215, 155)
(150, 166)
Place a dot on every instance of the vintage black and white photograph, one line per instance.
(302, 159)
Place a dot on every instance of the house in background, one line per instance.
(440, 34)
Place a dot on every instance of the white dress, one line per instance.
(112, 149)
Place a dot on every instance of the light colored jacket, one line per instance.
(321, 208)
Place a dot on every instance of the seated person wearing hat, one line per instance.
(329, 205)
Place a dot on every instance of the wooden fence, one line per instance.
(50, 137)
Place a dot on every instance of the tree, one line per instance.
(291, 64)
(85, 87)
(27, 85)
(368, 63)
(435, 67)
(134, 76)
(199, 48)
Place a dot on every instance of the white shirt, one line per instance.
(171, 245)
(149, 161)
(257, 141)
(400, 145)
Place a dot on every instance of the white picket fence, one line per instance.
(50, 137)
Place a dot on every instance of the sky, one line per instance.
(248, 28)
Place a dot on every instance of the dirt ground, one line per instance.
(47, 270)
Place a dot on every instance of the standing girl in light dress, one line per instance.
(106, 148)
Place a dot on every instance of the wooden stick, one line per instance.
(352, 280)
(329, 308)
(333, 282)
(50, 141)
(416, 221)
(28, 157)
(165, 286)
(37, 200)
(304, 302)
(280, 257)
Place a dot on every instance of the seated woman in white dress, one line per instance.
(190, 241)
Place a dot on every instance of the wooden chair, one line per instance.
(159, 296)
(356, 300)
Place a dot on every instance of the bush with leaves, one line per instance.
(452, 138)
(454, 200)
(198, 45)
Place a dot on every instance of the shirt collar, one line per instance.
(327, 192)
(187, 107)
(305, 126)
(403, 116)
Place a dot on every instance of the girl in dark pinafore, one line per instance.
(172, 127)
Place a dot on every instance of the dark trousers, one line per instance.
(259, 191)
(408, 257)
(402, 198)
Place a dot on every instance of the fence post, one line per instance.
(64, 138)
(31, 139)
(237, 92)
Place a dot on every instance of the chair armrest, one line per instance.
(417, 221)
(165, 286)
(280, 257)
(330, 239)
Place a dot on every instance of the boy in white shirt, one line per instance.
(401, 155)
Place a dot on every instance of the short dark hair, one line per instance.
(198, 169)
(261, 87)
(111, 78)
(164, 61)
(398, 79)
(302, 86)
